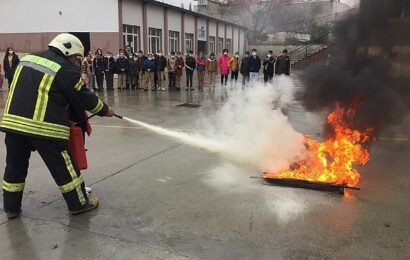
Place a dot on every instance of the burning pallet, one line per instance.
(311, 185)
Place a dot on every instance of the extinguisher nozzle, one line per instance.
(118, 116)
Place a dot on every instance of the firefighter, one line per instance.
(35, 117)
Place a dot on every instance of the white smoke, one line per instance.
(249, 128)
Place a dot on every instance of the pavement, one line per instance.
(160, 199)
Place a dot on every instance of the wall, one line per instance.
(57, 16)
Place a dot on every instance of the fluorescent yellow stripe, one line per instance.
(45, 101)
(75, 182)
(31, 130)
(11, 92)
(25, 120)
(71, 185)
(40, 96)
(43, 62)
(79, 85)
(13, 187)
(98, 107)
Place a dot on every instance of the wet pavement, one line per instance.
(161, 199)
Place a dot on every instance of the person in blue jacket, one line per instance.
(254, 66)
(99, 68)
(149, 67)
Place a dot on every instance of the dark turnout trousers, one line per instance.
(56, 156)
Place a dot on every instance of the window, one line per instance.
(173, 41)
(220, 45)
(229, 45)
(189, 42)
(211, 48)
(131, 36)
(154, 40)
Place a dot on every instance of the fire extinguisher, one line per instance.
(77, 143)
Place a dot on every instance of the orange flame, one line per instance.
(332, 161)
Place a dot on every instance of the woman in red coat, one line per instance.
(223, 63)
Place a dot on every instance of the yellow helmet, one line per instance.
(68, 44)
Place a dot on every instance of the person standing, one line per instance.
(99, 68)
(223, 64)
(234, 67)
(109, 65)
(149, 67)
(140, 69)
(161, 65)
(122, 70)
(180, 66)
(132, 68)
(10, 62)
(190, 65)
(268, 67)
(200, 69)
(172, 66)
(88, 72)
(283, 64)
(254, 66)
(211, 67)
(1, 81)
(245, 66)
(36, 118)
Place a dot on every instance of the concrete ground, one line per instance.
(164, 200)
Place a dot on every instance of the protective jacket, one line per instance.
(44, 85)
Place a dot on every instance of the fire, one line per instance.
(332, 161)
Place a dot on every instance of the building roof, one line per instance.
(185, 11)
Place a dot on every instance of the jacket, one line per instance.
(245, 65)
(161, 63)
(234, 64)
(44, 85)
(172, 65)
(6, 65)
(149, 65)
(140, 63)
(121, 65)
(223, 63)
(200, 64)
(191, 63)
(211, 65)
(109, 64)
(268, 65)
(180, 64)
(99, 66)
(132, 67)
(283, 65)
(254, 64)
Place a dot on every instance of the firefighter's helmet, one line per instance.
(68, 44)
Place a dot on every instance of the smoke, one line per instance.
(249, 128)
(360, 73)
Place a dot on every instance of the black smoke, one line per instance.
(359, 72)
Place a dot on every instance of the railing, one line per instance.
(309, 48)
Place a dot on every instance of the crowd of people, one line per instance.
(159, 73)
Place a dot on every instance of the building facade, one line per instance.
(113, 24)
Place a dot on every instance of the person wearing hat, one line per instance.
(36, 117)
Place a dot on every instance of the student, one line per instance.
(283, 64)
(87, 70)
(234, 67)
(122, 70)
(132, 70)
(268, 67)
(99, 68)
(254, 66)
(211, 67)
(109, 65)
(1, 81)
(10, 62)
(245, 65)
(161, 65)
(172, 66)
(149, 68)
(180, 66)
(200, 69)
(223, 63)
(140, 69)
(190, 65)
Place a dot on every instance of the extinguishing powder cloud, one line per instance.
(249, 128)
